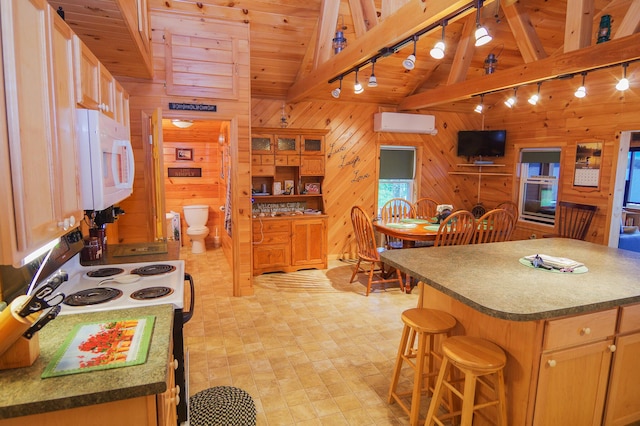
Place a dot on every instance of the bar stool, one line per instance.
(474, 358)
(426, 324)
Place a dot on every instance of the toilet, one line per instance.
(196, 217)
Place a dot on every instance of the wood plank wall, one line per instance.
(148, 95)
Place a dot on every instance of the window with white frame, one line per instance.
(539, 175)
(397, 173)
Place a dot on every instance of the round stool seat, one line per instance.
(430, 321)
(221, 406)
(474, 353)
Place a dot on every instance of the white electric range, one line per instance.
(120, 286)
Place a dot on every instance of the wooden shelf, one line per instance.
(284, 197)
(480, 173)
(479, 165)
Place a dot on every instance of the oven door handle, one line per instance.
(186, 316)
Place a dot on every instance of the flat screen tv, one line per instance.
(481, 143)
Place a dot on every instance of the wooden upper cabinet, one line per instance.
(107, 93)
(40, 145)
(201, 64)
(312, 145)
(288, 144)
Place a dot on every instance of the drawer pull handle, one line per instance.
(585, 331)
(551, 363)
(612, 348)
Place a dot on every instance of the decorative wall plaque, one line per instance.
(185, 172)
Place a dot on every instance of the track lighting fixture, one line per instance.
(482, 35)
(512, 100)
(410, 62)
(582, 90)
(357, 87)
(373, 82)
(624, 83)
(535, 97)
(336, 92)
(480, 107)
(438, 50)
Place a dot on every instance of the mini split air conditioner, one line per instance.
(404, 123)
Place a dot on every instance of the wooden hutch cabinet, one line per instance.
(289, 224)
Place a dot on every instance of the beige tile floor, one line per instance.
(309, 347)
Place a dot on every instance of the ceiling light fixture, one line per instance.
(357, 87)
(624, 83)
(480, 107)
(582, 90)
(182, 124)
(410, 62)
(373, 81)
(512, 100)
(535, 97)
(482, 35)
(339, 41)
(336, 92)
(438, 50)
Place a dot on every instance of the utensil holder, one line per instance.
(22, 353)
(13, 351)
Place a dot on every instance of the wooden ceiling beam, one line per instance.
(578, 24)
(361, 23)
(370, 14)
(409, 19)
(329, 12)
(597, 56)
(631, 22)
(464, 51)
(527, 39)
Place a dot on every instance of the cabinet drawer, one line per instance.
(269, 226)
(579, 329)
(271, 238)
(262, 170)
(629, 318)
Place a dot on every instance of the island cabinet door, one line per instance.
(572, 385)
(623, 399)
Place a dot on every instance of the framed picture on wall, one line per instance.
(184, 154)
(588, 164)
(312, 188)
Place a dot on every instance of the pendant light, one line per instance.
(482, 35)
(624, 83)
(512, 100)
(357, 87)
(535, 97)
(373, 81)
(410, 62)
(339, 41)
(582, 90)
(336, 92)
(438, 50)
(480, 107)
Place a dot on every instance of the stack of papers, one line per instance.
(556, 262)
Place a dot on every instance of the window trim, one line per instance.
(537, 154)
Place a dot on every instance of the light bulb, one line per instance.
(534, 99)
(510, 102)
(482, 36)
(410, 62)
(357, 88)
(336, 92)
(623, 84)
(438, 50)
(373, 82)
(581, 92)
(479, 108)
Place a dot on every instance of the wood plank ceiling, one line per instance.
(292, 57)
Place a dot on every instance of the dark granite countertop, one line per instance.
(490, 278)
(24, 392)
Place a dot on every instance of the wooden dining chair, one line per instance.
(509, 206)
(573, 220)
(457, 229)
(368, 252)
(395, 210)
(494, 226)
(425, 208)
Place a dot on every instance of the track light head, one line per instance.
(336, 92)
(357, 87)
(582, 90)
(623, 84)
(482, 35)
(410, 62)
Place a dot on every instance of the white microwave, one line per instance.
(106, 160)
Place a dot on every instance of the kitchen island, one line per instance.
(572, 339)
(122, 396)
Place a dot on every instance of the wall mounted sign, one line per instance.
(184, 154)
(588, 163)
(192, 107)
(185, 172)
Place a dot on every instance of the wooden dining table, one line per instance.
(408, 230)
